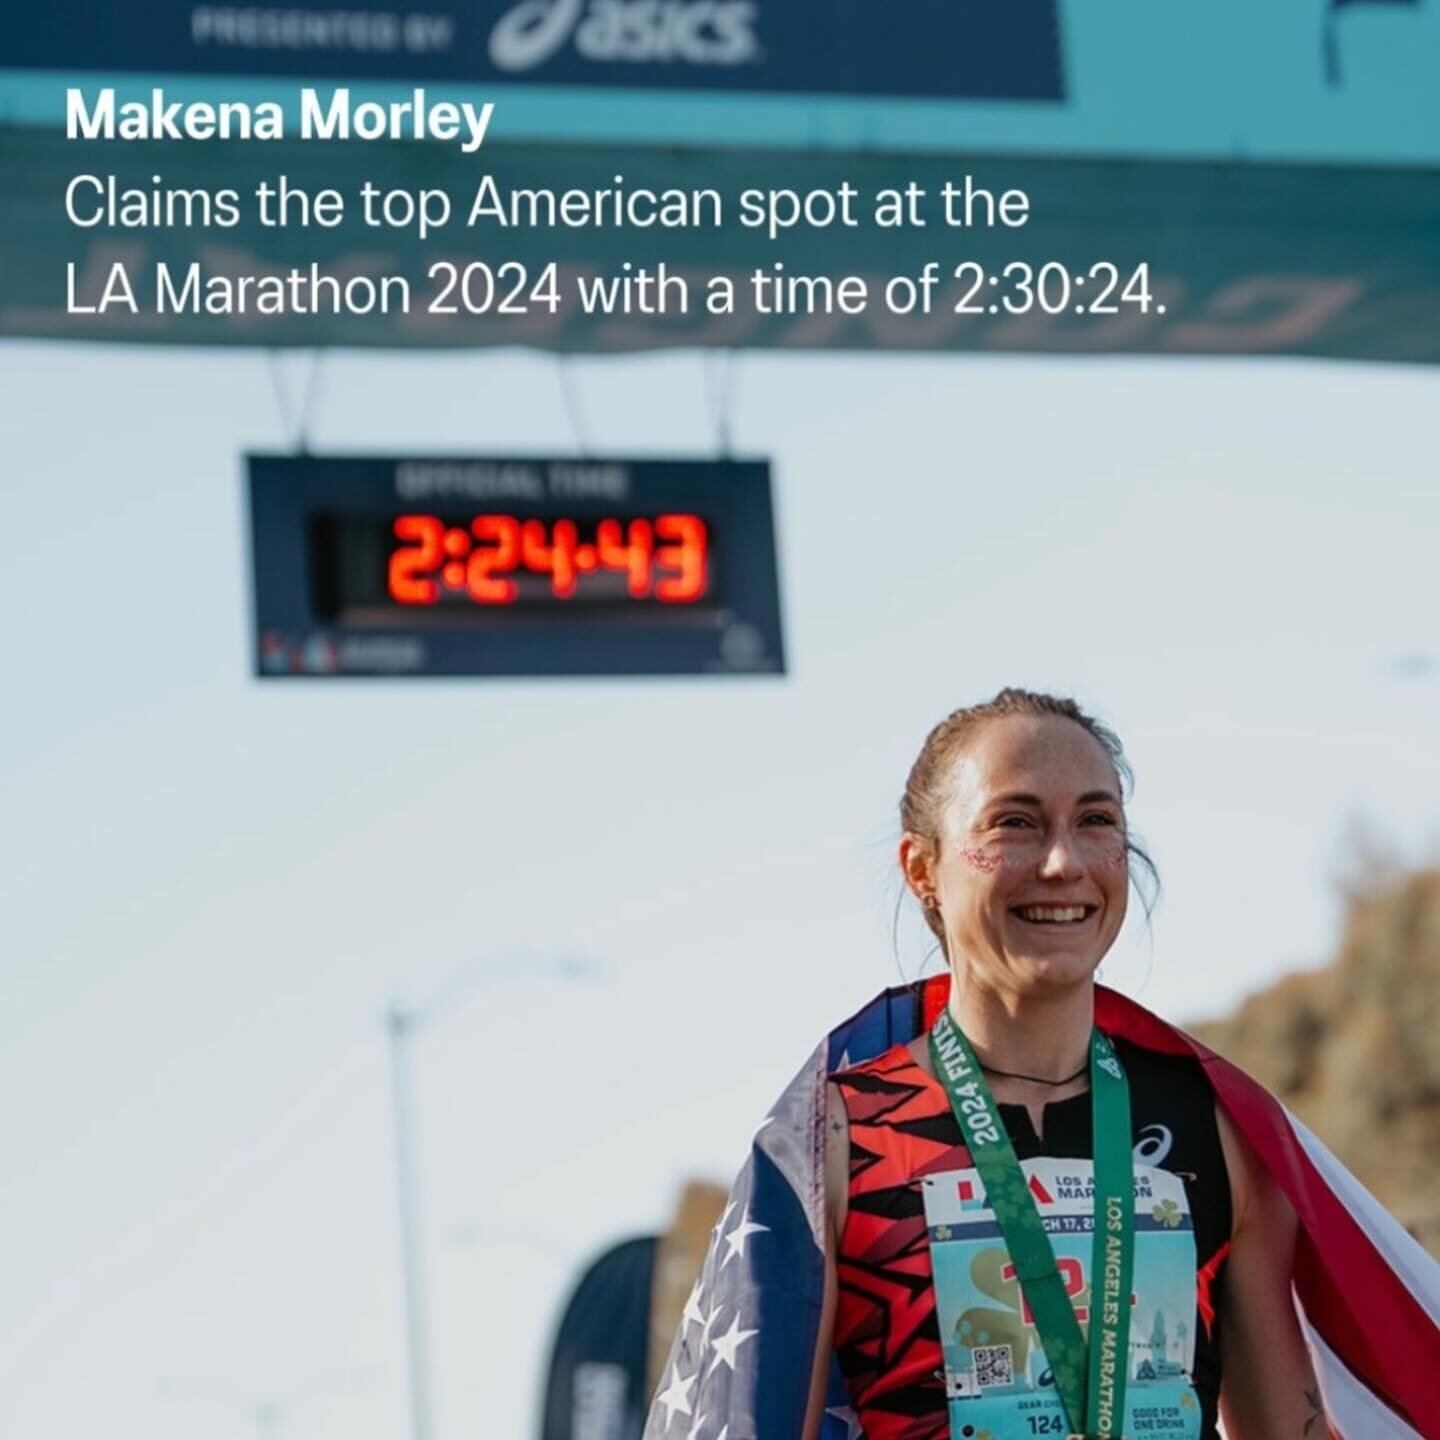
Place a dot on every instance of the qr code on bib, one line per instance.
(993, 1365)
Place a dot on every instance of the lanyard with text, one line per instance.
(1093, 1393)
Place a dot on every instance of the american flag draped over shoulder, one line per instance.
(740, 1366)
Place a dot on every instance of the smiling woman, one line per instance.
(1060, 1144)
(1045, 1211)
(976, 804)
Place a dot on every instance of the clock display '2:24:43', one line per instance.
(662, 557)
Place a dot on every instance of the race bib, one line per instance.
(996, 1377)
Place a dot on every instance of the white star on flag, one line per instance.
(739, 1235)
(677, 1395)
(851, 1419)
(692, 1307)
(724, 1219)
(727, 1344)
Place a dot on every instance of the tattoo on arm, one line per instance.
(1312, 1399)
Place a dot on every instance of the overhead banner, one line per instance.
(408, 567)
(1289, 81)
(1213, 178)
(1008, 50)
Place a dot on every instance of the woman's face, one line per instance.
(1032, 870)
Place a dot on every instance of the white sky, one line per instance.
(210, 887)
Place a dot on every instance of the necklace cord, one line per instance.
(1033, 1079)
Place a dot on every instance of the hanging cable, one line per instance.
(309, 402)
(720, 372)
(282, 398)
(296, 421)
(570, 390)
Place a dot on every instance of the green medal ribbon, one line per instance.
(1094, 1393)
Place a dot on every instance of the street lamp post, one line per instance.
(401, 1026)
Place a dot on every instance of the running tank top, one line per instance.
(887, 1337)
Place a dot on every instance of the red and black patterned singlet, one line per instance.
(887, 1338)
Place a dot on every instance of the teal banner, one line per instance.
(1288, 81)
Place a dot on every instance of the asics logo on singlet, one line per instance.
(690, 32)
(1154, 1144)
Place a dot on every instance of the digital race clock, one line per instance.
(488, 566)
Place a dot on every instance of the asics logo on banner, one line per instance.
(693, 32)
(1154, 1145)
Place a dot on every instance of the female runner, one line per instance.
(1015, 844)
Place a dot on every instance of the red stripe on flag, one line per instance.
(934, 992)
(1352, 1296)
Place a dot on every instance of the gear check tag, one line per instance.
(996, 1377)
